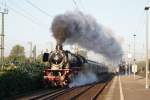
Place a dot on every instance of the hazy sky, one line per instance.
(26, 23)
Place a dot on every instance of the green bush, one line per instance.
(23, 78)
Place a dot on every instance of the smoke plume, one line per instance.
(76, 27)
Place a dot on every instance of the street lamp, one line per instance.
(147, 62)
(134, 57)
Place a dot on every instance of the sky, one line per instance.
(24, 22)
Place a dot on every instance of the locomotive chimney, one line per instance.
(59, 46)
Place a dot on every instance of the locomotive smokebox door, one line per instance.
(45, 57)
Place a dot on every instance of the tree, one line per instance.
(17, 54)
(39, 58)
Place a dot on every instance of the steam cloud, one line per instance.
(76, 27)
(83, 78)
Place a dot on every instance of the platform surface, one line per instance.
(127, 88)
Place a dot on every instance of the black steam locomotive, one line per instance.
(64, 65)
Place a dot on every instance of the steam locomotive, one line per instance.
(63, 66)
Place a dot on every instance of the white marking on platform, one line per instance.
(109, 95)
(121, 91)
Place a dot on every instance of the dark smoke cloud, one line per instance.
(75, 27)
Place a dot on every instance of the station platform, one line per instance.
(127, 88)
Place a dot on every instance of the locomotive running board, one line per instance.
(74, 68)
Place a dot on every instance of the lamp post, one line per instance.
(126, 67)
(134, 56)
(134, 47)
(147, 62)
(3, 12)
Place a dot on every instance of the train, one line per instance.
(63, 66)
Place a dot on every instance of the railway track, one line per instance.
(86, 92)
(35, 95)
(54, 93)
(90, 92)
